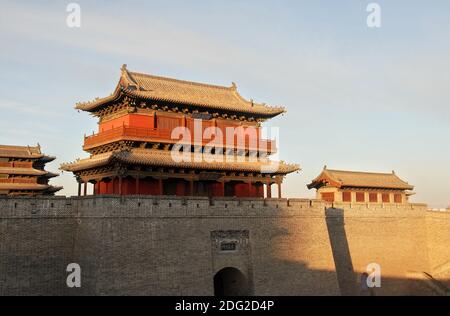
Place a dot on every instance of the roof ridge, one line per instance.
(362, 172)
(19, 147)
(193, 83)
(232, 89)
(250, 102)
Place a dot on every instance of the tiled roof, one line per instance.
(20, 151)
(88, 163)
(50, 174)
(32, 152)
(25, 171)
(341, 178)
(160, 158)
(28, 186)
(182, 92)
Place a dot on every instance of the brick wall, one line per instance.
(166, 245)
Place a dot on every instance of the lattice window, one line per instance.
(347, 196)
(397, 198)
(328, 196)
(373, 197)
(360, 197)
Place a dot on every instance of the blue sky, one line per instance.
(356, 98)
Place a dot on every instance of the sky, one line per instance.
(357, 98)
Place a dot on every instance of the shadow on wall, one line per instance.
(341, 252)
(417, 283)
(289, 271)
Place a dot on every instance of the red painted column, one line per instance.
(160, 186)
(110, 186)
(260, 189)
(85, 188)
(191, 187)
(79, 188)
(222, 188)
(269, 190)
(180, 187)
(120, 185)
(137, 185)
(279, 190)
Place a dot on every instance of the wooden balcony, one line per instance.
(163, 136)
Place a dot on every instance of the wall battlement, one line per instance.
(110, 205)
(147, 245)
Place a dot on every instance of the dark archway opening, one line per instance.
(230, 282)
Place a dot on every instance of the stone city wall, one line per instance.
(171, 245)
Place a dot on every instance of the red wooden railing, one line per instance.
(162, 135)
(18, 180)
(16, 164)
(19, 164)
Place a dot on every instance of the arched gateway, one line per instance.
(230, 282)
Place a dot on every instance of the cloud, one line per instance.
(112, 35)
(311, 74)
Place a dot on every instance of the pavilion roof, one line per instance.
(213, 97)
(161, 158)
(31, 152)
(342, 178)
(26, 171)
(29, 186)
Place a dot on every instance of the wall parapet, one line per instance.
(173, 206)
(380, 206)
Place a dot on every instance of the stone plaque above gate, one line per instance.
(230, 241)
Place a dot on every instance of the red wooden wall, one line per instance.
(131, 120)
(178, 187)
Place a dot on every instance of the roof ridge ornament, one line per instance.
(130, 82)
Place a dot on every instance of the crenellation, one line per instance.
(102, 206)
